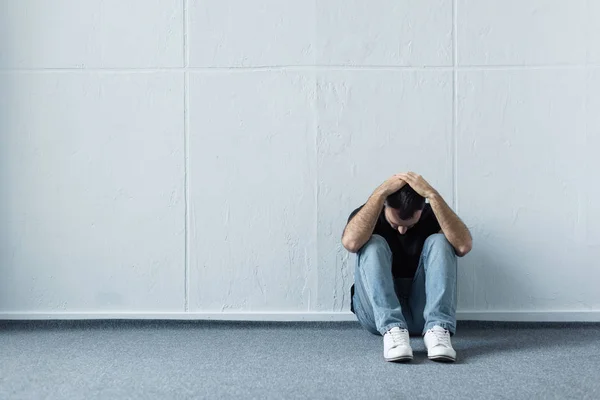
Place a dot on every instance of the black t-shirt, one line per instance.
(407, 248)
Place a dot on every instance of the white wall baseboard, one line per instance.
(184, 316)
(530, 316)
(516, 316)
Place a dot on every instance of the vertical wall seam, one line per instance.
(186, 156)
(454, 108)
(315, 269)
(455, 201)
(582, 212)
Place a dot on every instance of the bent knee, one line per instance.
(438, 241)
(375, 244)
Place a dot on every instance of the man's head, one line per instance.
(403, 209)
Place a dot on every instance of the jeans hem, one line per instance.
(446, 325)
(390, 326)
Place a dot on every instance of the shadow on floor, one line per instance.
(480, 340)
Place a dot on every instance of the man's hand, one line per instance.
(392, 185)
(419, 184)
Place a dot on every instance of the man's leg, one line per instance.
(378, 308)
(434, 297)
(413, 316)
(433, 293)
(375, 302)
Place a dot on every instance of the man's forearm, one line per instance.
(454, 229)
(361, 226)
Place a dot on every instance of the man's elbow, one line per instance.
(464, 249)
(351, 245)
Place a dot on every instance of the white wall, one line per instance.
(189, 158)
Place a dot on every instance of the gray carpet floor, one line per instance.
(219, 360)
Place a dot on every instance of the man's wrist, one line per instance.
(433, 196)
(380, 194)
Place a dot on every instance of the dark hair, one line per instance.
(406, 201)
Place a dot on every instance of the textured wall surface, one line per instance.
(202, 156)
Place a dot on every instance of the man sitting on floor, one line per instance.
(405, 276)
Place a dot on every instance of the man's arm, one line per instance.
(453, 228)
(359, 229)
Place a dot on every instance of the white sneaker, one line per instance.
(396, 345)
(439, 347)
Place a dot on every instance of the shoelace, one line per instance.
(399, 337)
(443, 337)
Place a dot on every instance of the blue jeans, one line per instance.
(417, 304)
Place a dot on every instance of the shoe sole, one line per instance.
(399, 359)
(444, 359)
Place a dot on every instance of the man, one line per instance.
(405, 276)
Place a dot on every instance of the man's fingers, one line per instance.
(400, 177)
(405, 177)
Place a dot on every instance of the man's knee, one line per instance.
(375, 252)
(438, 242)
(376, 244)
(438, 254)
